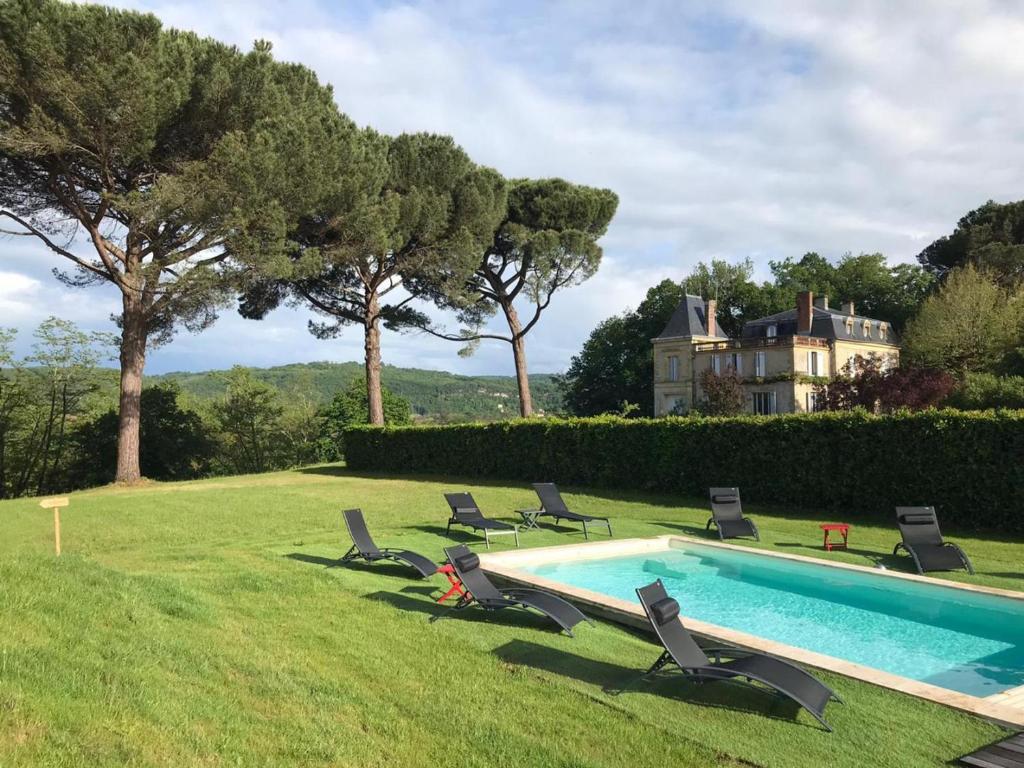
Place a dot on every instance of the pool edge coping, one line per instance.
(503, 564)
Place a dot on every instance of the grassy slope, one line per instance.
(200, 623)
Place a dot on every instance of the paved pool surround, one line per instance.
(1006, 708)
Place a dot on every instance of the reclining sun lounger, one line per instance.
(923, 541)
(682, 650)
(727, 515)
(466, 512)
(483, 592)
(552, 505)
(363, 547)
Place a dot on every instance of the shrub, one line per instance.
(175, 443)
(847, 464)
(876, 387)
(724, 393)
(986, 390)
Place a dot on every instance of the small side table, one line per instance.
(453, 579)
(530, 518)
(842, 528)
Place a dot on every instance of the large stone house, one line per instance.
(779, 357)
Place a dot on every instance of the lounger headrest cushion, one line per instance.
(467, 562)
(664, 611)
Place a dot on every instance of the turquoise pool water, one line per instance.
(964, 641)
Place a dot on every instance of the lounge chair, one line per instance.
(466, 512)
(682, 650)
(923, 541)
(363, 547)
(727, 515)
(483, 592)
(552, 505)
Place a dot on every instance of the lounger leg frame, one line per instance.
(963, 556)
(662, 661)
(462, 602)
(352, 554)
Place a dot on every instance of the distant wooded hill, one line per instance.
(435, 395)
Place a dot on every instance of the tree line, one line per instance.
(193, 177)
(59, 432)
(960, 312)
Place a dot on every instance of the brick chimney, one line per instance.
(848, 308)
(711, 320)
(821, 302)
(804, 313)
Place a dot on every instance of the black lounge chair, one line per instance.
(363, 547)
(682, 650)
(466, 512)
(923, 541)
(727, 515)
(552, 505)
(481, 590)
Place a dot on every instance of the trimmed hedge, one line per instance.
(969, 465)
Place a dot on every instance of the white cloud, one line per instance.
(729, 129)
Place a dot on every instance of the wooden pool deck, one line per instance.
(1008, 753)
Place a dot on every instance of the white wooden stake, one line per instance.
(55, 504)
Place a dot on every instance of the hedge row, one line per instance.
(969, 465)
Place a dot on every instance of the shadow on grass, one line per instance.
(384, 567)
(615, 680)
(697, 531)
(507, 617)
(463, 536)
(331, 470)
(302, 557)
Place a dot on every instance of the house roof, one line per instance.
(690, 319)
(825, 324)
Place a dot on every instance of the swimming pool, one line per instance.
(969, 642)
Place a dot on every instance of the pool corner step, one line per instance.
(1012, 697)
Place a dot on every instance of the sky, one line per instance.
(729, 130)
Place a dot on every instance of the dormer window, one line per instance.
(867, 329)
(772, 331)
(849, 326)
(882, 330)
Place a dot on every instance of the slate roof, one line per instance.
(690, 319)
(825, 324)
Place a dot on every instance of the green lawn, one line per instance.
(203, 623)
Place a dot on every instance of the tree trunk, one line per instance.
(519, 355)
(374, 398)
(133, 360)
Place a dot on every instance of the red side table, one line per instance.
(453, 579)
(842, 528)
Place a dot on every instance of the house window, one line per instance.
(812, 363)
(764, 403)
(849, 326)
(736, 363)
(851, 365)
(675, 406)
(673, 368)
(883, 328)
(716, 364)
(759, 363)
(867, 329)
(812, 402)
(772, 331)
